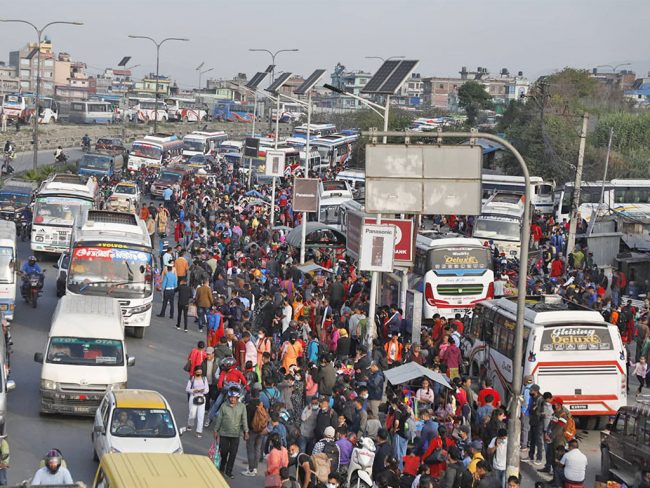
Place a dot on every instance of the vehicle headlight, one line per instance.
(48, 385)
(140, 308)
(117, 386)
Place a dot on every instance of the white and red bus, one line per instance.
(185, 110)
(456, 274)
(155, 151)
(569, 351)
(20, 106)
(144, 110)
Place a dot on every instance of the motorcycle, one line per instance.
(85, 145)
(361, 460)
(60, 158)
(23, 229)
(32, 287)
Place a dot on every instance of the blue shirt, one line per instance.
(170, 281)
(29, 268)
(167, 194)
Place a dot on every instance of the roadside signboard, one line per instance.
(305, 194)
(377, 248)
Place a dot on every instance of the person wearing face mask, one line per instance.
(197, 387)
(290, 352)
(333, 481)
(308, 425)
(169, 285)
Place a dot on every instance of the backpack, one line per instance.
(260, 419)
(322, 466)
(331, 450)
(570, 430)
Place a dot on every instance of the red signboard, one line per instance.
(405, 237)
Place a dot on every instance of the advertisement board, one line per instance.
(251, 147)
(274, 163)
(576, 338)
(377, 248)
(404, 252)
(305, 194)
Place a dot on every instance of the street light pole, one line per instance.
(273, 55)
(158, 44)
(383, 60)
(201, 73)
(39, 36)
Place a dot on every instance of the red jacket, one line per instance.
(232, 376)
(436, 469)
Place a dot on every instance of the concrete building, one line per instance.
(9, 81)
(114, 81)
(614, 80)
(441, 92)
(147, 86)
(410, 94)
(639, 93)
(26, 61)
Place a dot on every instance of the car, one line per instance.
(130, 420)
(110, 145)
(625, 444)
(127, 191)
(169, 177)
(61, 278)
(202, 159)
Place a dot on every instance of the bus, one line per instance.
(230, 111)
(60, 200)
(8, 269)
(92, 112)
(623, 196)
(562, 341)
(185, 110)
(199, 142)
(144, 110)
(20, 106)
(315, 130)
(155, 151)
(333, 195)
(500, 222)
(456, 274)
(111, 255)
(290, 113)
(356, 178)
(335, 149)
(541, 191)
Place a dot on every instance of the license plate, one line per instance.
(578, 407)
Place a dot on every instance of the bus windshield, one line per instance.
(6, 265)
(85, 351)
(190, 145)
(496, 228)
(14, 199)
(91, 161)
(59, 210)
(170, 176)
(144, 150)
(454, 258)
(117, 272)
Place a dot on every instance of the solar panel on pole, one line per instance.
(310, 82)
(279, 81)
(256, 80)
(380, 77)
(125, 60)
(270, 68)
(200, 66)
(397, 77)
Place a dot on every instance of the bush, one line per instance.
(43, 172)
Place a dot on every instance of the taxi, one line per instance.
(124, 197)
(132, 420)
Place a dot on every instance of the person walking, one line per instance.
(276, 459)
(197, 387)
(169, 285)
(230, 424)
(4, 459)
(184, 298)
(204, 300)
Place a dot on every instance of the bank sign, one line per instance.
(404, 237)
(576, 339)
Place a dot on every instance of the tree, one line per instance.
(473, 97)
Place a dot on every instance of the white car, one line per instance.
(135, 421)
(127, 191)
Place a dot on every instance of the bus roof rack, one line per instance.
(67, 178)
(549, 303)
(109, 217)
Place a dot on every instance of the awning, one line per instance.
(411, 371)
(318, 235)
(311, 267)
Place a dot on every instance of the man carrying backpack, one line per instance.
(258, 420)
(327, 446)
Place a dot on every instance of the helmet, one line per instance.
(228, 363)
(53, 455)
(31, 259)
(367, 443)
(234, 392)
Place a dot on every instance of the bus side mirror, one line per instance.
(38, 357)
(130, 361)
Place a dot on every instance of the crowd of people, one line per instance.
(285, 365)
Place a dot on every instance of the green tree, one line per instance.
(473, 97)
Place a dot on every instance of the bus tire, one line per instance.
(138, 332)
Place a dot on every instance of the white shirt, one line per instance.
(499, 460)
(575, 465)
(251, 353)
(287, 313)
(44, 477)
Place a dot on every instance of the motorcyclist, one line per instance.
(59, 157)
(31, 266)
(53, 473)
(85, 141)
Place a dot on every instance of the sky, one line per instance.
(533, 36)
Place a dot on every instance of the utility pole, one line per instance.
(575, 204)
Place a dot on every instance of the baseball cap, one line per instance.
(209, 350)
(477, 445)
(329, 432)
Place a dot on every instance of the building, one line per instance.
(614, 80)
(441, 92)
(349, 81)
(147, 86)
(70, 79)
(114, 81)
(410, 93)
(26, 62)
(9, 81)
(639, 93)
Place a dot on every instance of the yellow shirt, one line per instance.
(181, 266)
(471, 467)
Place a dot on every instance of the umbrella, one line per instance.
(410, 371)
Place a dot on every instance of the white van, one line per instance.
(7, 268)
(356, 178)
(85, 355)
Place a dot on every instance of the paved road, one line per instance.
(25, 160)
(159, 366)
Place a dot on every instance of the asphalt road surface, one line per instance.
(160, 357)
(25, 160)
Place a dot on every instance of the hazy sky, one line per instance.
(532, 36)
